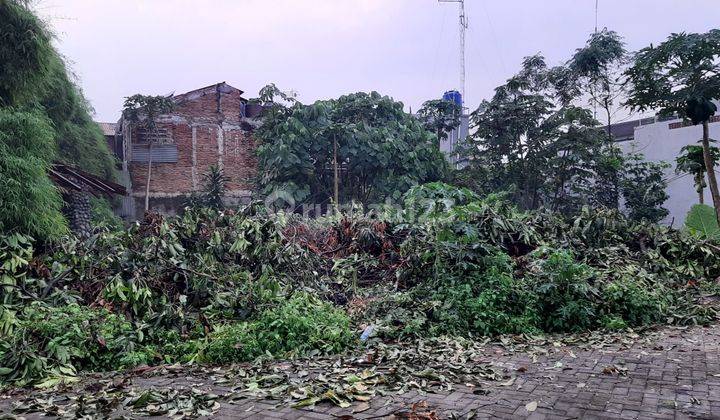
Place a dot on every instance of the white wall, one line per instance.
(450, 143)
(659, 143)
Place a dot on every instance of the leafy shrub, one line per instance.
(458, 240)
(213, 190)
(57, 340)
(399, 315)
(644, 189)
(168, 345)
(233, 343)
(101, 214)
(132, 297)
(487, 301)
(702, 221)
(613, 323)
(445, 259)
(298, 326)
(209, 285)
(565, 294)
(15, 254)
(633, 302)
(435, 198)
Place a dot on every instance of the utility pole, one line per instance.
(336, 177)
(463, 28)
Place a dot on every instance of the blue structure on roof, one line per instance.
(453, 96)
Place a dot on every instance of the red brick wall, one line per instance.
(239, 160)
(199, 111)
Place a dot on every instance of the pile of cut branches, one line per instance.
(220, 286)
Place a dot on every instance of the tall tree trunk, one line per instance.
(710, 168)
(609, 120)
(149, 174)
(336, 190)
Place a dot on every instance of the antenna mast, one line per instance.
(596, 14)
(463, 28)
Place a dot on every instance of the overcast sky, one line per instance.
(408, 49)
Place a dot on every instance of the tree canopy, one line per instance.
(381, 150)
(681, 76)
(595, 72)
(530, 139)
(145, 109)
(439, 116)
(543, 151)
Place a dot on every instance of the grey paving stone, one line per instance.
(671, 378)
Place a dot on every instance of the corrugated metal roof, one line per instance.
(107, 128)
(161, 153)
(70, 178)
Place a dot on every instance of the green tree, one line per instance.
(531, 140)
(596, 71)
(271, 96)
(440, 116)
(644, 188)
(528, 141)
(214, 188)
(45, 118)
(30, 202)
(380, 150)
(681, 76)
(692, 161)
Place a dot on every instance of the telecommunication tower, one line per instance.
(463, 28)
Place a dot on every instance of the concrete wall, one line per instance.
(658, 142)
(454, 138)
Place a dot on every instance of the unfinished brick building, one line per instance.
(208, 127)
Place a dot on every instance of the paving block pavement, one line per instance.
(676, 376)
